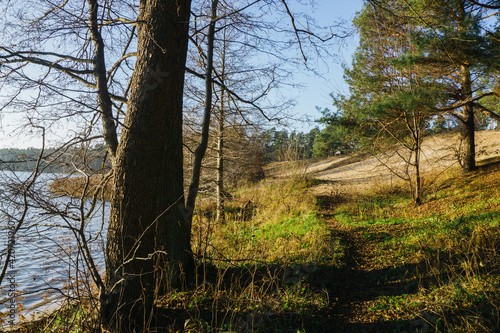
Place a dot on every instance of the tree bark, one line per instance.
(221, 215)
(417, 196)
(468, 140)
(200, 151)
(148, 249)
(469, 147)
(100, 75)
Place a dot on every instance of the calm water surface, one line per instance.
(47, 264)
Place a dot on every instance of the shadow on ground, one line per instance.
(347, 289)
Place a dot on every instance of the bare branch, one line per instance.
(484, 5)
(232, 93)
(103, 95)
(31, 182)
(296, 30)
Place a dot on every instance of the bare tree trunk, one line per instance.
(418, 146)
(199, 153)
(469, 147)
(221, 216)
(417, 197)
(100, 75)
(148, 249)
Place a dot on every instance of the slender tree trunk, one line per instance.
(221, 216)
(416, 188)
(199, 153)
(469, 147)
(417, 197)
(100, 75)
(148, 249)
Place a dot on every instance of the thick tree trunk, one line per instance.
(468, 140)
(469, 151)
(148, 237)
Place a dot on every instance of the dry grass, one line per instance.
(358, 174)
(256, 269)
(75, 186)
(274, 222)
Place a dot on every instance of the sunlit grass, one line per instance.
(450, 245)
(259, 261)
(274, 222)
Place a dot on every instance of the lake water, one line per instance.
(47, 264)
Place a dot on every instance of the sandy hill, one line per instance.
(356, 173)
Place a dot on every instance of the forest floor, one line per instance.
(375, 290)
(362, 279)
(337, 245)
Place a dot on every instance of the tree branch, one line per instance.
(464, 102)
(292, 19)
(487, 111)
(235, 95)
(484, 5)
(103, 95)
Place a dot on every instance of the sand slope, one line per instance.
(439, 153)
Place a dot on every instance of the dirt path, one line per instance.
(366, 276)
(362, 278)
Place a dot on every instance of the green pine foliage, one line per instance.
(422, 66)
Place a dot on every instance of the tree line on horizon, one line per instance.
(271, 145)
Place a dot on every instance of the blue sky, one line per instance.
(318, 88)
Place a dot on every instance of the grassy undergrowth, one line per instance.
(273, 265)
(257, 269)
(450, 246)
(274, 222)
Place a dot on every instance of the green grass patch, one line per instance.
(280, 223)
(450, 245)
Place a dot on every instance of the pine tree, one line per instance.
(389, 91)
(453, 48)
